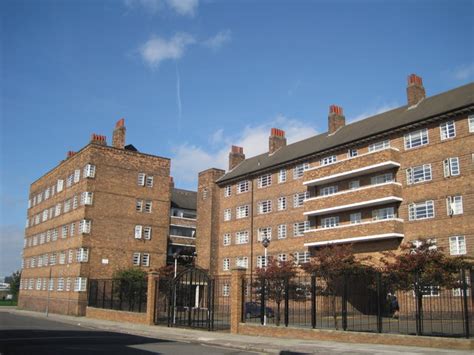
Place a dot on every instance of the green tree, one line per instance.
(131, 285)
(14, 281)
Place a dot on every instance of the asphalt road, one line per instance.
(27, 335)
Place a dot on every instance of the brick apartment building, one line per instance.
(101, 209)
(399, 176)
(182, 232)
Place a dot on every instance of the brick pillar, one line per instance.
(236, 299)
(153, 278)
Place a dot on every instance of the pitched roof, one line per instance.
(445, 102)
(183, 199)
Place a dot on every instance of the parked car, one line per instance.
(252, 310)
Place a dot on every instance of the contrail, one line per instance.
(178, 96)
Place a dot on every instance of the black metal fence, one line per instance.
(119, 295)
(360, 302)
(193, 301)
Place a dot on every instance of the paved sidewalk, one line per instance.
(241, 342)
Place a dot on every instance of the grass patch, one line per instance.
(8, 303)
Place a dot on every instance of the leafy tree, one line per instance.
(14, 281)
(417, 267)
(330, 264)
(276, 275)
(131, 285)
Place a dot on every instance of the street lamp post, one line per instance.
(265, 243)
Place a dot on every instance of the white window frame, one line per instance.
(264, 181)
(418, 174)
(282, 231)
(261, 261)
(302, 257)
(454, 205)
(351, 153)
(447, 130)
(141, 179)
(149, 181)
(416, 138)
(226, 264)
(242, 211)
(425, 208)
(148, 206)
(136, 258)
(227, 240)
(382, 179)
(298, 199)
(138, 232)
(330, 222)
(227, 214)
(356, 217)
(331, 159)
(282, 176)
(281, 205)
(82, 255)
(264, 232)
(298, 170)
(328, 190)
(225, 290)
(470, 122)
(77, 175)
(80, 284)
(451, 167)
(243, 186)
(242, 237)
(299, 228)
(85, 226)
(228, 191)
(383, 213)
(265, 207)
(381, 145)
(145, 259)
(147, 231)
(89, 171)
(242, 262)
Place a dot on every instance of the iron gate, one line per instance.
(193, 299)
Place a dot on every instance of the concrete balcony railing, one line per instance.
(348, 168)
(355, 233)
(365, 196)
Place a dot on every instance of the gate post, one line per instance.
(151, 294)
(236, 299)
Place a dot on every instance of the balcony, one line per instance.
(365, 196)
(352, 167)
(355, 233)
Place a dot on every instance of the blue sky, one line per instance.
(192, 77)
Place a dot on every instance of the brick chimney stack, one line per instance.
(415, 90)
(98, 139)
(236, 156)
(70, 154)
(336, 119)
(277, 140)
(118, 138)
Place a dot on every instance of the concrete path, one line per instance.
(231, 341)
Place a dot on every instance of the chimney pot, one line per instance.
(336, 119)
(118, 137)
(98, 139)
(236, 156)
(415, 90)
(277, 140)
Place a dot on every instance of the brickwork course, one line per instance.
(101, 209)
(356, 171)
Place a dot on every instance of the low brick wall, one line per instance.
(117, 316)
(355, 337)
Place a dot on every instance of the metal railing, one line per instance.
(118, 295)
(361, 302)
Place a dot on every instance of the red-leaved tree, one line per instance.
(330, 264)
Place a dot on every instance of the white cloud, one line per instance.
(182, 7)
(217, 41)
(375, 111)
(158, 49)
(463, 72)
(188, 160)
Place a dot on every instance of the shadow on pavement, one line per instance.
(34, 341)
